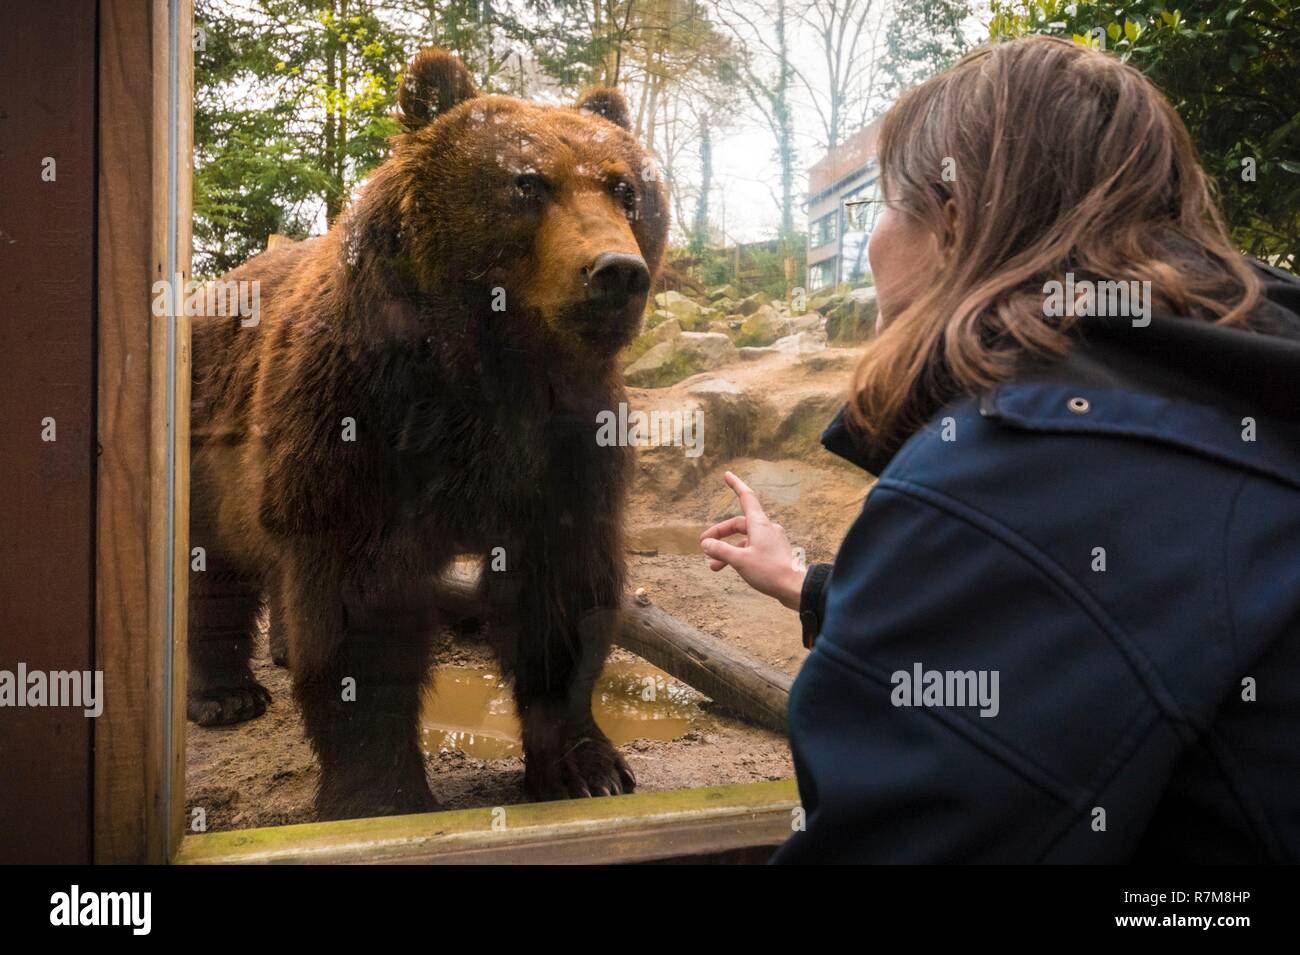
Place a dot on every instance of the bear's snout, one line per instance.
(616, 280)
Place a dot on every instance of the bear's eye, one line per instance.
(625, 192)
(531, 187)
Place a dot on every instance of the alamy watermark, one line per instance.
(682, 428)
(1085, 297)
(217, 298)
(75, 907)
(82, 689)
(948, 688)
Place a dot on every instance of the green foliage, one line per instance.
(1232, 70)
(762, 266)
(924, 38)
(292, 103)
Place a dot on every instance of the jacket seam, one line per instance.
(1229, 618)
(1135, 735)
(986, 743)
(1141, 667)
(1252, 809)
(1254, 813)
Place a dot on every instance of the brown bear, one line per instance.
(424, 382)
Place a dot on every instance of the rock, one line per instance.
(715, 387)
(831, 304)
(854, 319)
(798, 422)
(706, 349)
(726, 424)
(671, 470)
(752, 303)
(801, 343)
(651, 368)
(812, 322)
(665, 331)
(683, 354)
(657, 317)
(680, 307)
(665, 299)
(762, 327)
(732, 418)
(825, 300)
(662, 332)
(723, 291)
(722, 328)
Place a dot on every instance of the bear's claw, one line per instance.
(222, 706)
(591, 766)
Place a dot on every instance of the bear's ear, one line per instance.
(609, 103)
(435, 83)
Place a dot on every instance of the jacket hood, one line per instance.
(1185, 382)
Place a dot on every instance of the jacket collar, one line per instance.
(1227, 393)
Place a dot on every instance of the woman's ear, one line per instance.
(609, 103)
(951, 221)
(435, 82)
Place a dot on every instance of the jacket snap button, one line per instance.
(1078, 405)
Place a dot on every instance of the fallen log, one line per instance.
(723, 673)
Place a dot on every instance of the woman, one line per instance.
(1066, 625)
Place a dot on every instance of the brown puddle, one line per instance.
(676, 539)
(471, 710)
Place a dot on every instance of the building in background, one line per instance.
(837, 234)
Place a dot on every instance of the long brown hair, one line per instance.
(1060, 159)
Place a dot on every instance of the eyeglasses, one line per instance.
(861, 213)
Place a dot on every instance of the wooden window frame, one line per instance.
(142, 548)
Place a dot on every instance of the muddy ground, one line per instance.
(762, 419)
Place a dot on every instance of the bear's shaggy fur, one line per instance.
(424, 382)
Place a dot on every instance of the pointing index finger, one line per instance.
(749, 504)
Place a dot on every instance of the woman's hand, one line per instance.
(763, 558)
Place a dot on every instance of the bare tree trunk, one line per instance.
(785, 140)
(700, 227)
(333, 201)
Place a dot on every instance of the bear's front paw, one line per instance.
(221, 706)
(586, 765)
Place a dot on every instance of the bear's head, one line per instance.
(549, 213)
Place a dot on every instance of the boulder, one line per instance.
(706, 349)
(762, 327)
(679, 307)
(854, 319)
(752, 303)
(800, 343)
(665, 331)
(657, 317)
(654, 367)
(812, 322)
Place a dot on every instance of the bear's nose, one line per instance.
(614, 278)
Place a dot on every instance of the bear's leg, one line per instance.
(359, 666)
(224, 605)
(561, 640)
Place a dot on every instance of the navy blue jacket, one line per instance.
(1117, 537)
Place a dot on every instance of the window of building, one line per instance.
(822, 231)
(821, 275)
(859, 211)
